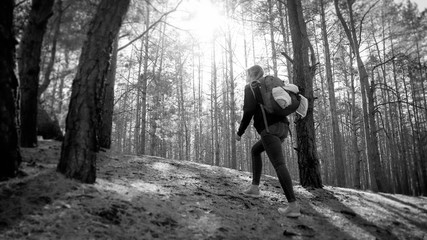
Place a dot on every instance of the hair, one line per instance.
(255, 72)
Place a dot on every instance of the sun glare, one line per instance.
(206, 19)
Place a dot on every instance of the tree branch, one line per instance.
(287, 57)
(363, 18)
(151, 26)
(19, 3)
(377, 106)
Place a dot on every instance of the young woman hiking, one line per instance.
(271, 142)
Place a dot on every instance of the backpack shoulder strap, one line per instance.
(255, 88)
(256, 91)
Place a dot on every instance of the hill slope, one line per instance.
(154, 198)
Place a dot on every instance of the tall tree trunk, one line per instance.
(354, 126)
(248, 140)
(306, 145)
(232, 108)
(137, 129)
(157, 98)
(29, 68)
(284, 27)
(413, 120)
(328, 168)
(144, 83)
(422, 96)
(400, 165)
(56, 32)
(375, 172)
(215, 109)
(389, 147)
(336, 134)
(9, 148)
(411, 159)
(232, 101)
(78, 153)
(199, 112)
(212, 119)
(273, 45)
(182, 125)
(61, 83)
(225, 116)
(106, 124)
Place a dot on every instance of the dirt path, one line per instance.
(154, 198)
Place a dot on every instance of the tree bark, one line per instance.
(78, 153)
(29, 68)
(308, 161)
(106, 124)
(9, 148)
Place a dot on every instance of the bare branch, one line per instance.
(363, 18)
(21, 2)
(151, 26)
(287, 57)
(377, 106)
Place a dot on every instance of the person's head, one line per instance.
(254, 73)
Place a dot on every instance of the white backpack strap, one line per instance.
(303, 106)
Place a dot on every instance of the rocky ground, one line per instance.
(154, 198)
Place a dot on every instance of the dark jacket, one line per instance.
(252, 108)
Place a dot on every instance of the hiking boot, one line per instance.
(293, 210)
(253, 191)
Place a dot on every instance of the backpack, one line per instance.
(277, 98)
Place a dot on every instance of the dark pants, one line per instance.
(272, 144)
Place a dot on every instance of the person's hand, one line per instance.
(238, 138)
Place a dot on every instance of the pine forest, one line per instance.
(168, 79)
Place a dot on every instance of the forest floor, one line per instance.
(154, 198)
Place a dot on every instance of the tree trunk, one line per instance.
(181, 131)
(232, 107)
(225, 116)
(354, 126)
(106, 124)
(61, 83)
(157, 96)
(56, 32)
(29, 68)
(328, 167)
(285, 36)
(144, 83)
(9, 148)
(273, 45)
(232, 120)
(199, 113)
(375, 172)
(306, 145)
(78, 153)
(400, 165)
(214, 96)
(336, 134)
(137, 129)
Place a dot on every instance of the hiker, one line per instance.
(271, 142)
